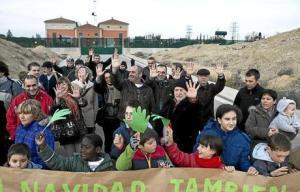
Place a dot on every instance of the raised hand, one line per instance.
(177, 73)
(119, 141)
(219, 69)
(135, 141)
(76, 91)
(190, 69)
(115, 61)
(99, 70)
(192, 89)
(153, 72)
(169, 137)
(58, 91)
(272, 131)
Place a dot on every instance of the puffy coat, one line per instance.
(236, 145)
(11, 115)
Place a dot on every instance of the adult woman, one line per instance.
(236, 143)
(107, 118)
(88, 97)
(260, 117)
(64, 100)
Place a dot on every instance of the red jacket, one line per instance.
(11, 116)
(182, 159)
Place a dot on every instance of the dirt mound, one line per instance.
(276, 56)
(17, 57)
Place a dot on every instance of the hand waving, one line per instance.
(219, 69)
(192, 89)
(190, 68)
(153, 72)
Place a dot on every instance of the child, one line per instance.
(286, 121)
(90, 159)
(271, 158)
(143, 153)
(18, 156)
(30, 113)
(123, 133)
(207, 155)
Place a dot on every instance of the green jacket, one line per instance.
(73, 163)
(124, 162)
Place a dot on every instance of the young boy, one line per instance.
(286, 121)
(207, 155)
(143, 153)
(271, 157)
(18, 156)
(30, 113)
(90, 159)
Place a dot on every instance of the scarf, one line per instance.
(214, 162)
(72, 105)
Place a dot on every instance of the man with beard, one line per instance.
(131, 88)
(31, 91)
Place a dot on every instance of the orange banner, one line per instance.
(150, 180)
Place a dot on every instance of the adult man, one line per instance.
(65, 70)
(182, 111)
(207, 92)
(161, 86)
(34, 69)
(131, 88)
(123, 70)
(31, 91)
(146, 70)
(49, 78)
(249, 95)
(95, 60)
(8, 87)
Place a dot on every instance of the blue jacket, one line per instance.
(126, 134)
(27, 134)
(236, 145)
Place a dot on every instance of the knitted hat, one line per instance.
(180, 83)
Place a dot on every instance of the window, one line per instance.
(96, 35)
(80, 34)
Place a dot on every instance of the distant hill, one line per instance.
(17, 57)
(277, 58)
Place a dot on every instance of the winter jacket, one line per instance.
(65, 70)
(129, 91)
(236, 145)
(162, 90)
(26, 134)
(89, 110)
(257, 124)
(73, 163)
(182, 159)
(124, 74)
(8, 90)
(263, 163)
(288, 125)
(126, 133)
(11, 115)
(136, 160)
(49, 84)
(206, 95)
(184, 122)
(246, 98)
(30, 165)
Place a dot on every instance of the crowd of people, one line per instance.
(253, 135)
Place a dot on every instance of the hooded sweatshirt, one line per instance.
(288, 125)
(264, 163)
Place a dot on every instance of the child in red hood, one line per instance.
(207, 155)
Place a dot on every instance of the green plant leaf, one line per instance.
(164, 120)
(58, 115)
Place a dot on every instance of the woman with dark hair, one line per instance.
(108, 115)
(65, 100)
(236, 143)
(260, 117)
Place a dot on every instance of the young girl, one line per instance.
(29, 114)
(207, 155)
(90, 159)
(143, 153)
(18, 156)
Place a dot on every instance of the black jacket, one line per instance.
(50, 84)
(206, 97)
(129, 91)
(184, 123)
(246, 98)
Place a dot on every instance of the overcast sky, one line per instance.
(169, 18)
